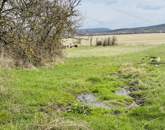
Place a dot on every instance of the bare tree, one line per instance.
(31, 30)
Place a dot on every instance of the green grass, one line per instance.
(102, 51)
(32, 99)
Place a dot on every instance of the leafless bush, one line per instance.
(114, 41)
(107, 42)
(98, 43)
(31, 30)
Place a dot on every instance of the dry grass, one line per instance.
(6, 62)
(45, 122)
(144, 39)
(126, 39)
(63, 125)
(129, 70)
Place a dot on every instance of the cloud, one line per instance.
(151, 5)
(110, 2)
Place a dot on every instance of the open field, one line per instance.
(46, 98)
(126, 39)
(104, 51)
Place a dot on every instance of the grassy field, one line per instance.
(129, 39)
(46, 98)
(102, 51)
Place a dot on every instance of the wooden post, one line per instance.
(91, 39)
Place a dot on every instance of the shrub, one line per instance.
(114, 41)
(31, 31)
(107, 42)
(98, 43)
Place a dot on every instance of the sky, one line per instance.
(116, 14)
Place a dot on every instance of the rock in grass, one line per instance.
(155, 60)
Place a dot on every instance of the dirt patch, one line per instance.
(138, 98)
(133, 92)
(132, 74)
(126, 92)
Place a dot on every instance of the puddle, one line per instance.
(122, 92)
(91, 100)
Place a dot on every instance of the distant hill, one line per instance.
(101, 31)
(149, 29)
(90, 31)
